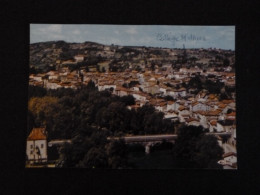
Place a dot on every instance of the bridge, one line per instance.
(58, 142)
(145, 140)
(156, 138)
(150, 140)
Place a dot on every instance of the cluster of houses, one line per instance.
(152, 87)
(201, 109)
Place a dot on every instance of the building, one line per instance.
(79, 58)
(36, 148)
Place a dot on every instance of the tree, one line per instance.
(195, 149)
(152, 66)
(208, 152)
(40, 107)
(128, 100)
(95, 158)
(35, 91)
(226, 62)
(117, 154)
(30, 122)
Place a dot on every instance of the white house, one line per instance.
(192, 122)
(180, 92)
(172, 116)
(199, 106)
(230, 159)
(120, 91)
(79, 58)
(36, 148)
(102, 87)
(212, 126)
(52, 84)
(225, 125)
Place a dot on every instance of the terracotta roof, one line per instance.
(213, 112)
(191, 119)
(181, 108)
(213, 122)
(229, 154)
(37, 134)
(222, 105)
(162, 103)
(227, 101)
(232, 114)
(170, 102)
(194, 103)
(212, 96)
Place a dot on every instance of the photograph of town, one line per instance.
(131, 97)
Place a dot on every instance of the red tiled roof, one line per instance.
(227, 101)
(232, 114)
(37, 134)
(213, 122)
(222, 105)
(191, 119)
(229, 154)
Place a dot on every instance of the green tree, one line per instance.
(226, 62)
(128, 100)
(117, 154)
(195, 149)
(95, 158)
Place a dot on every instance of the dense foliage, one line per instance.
(88, 117)
(195, 149)
(65, 112)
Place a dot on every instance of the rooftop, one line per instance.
(37, 134)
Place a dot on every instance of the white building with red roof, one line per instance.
(36, 148)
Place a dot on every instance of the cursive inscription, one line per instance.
(178, 38)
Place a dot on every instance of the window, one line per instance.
(31, 146)
(31, 152)
(41, 145)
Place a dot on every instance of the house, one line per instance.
(230, 159)
(212, 126)
(36, 148)
(192, 122)
(161, 106)
(170, 105)
(102, 86)
(225, 126)
(231, 116)
(172, 116)
(139, 96)
(121, 91)
(195, 106)
(180, 92)
(79, 58)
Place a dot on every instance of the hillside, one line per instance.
(45, 56)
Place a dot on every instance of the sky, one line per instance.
(165, 36)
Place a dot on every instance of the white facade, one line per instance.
(139, 97)
(230, 160)
(104, 87)
(79, 58)
(199, 106)
(50, 85)
(194, 123)
(36, 150)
